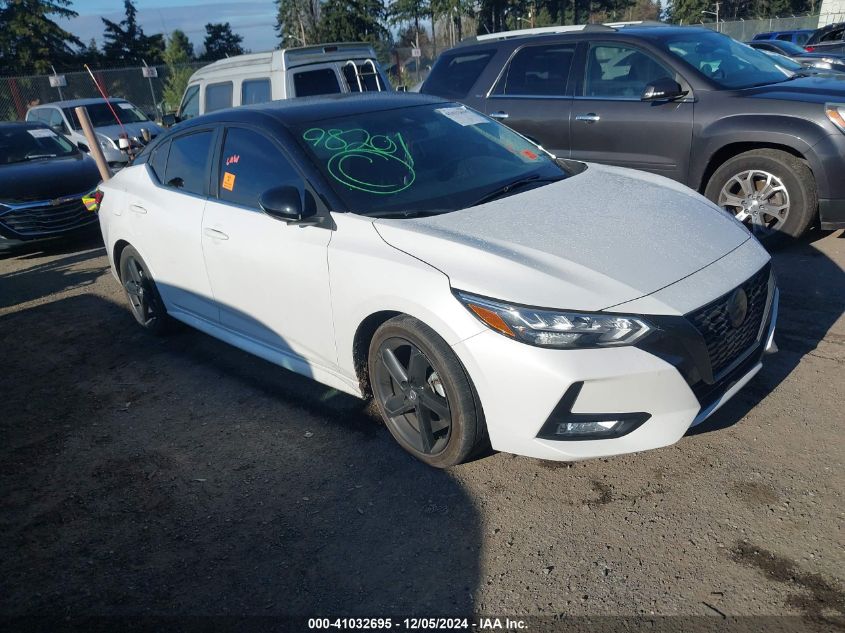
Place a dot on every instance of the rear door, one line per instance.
(610, 122)
(531, 95)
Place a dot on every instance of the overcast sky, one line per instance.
(253, 19)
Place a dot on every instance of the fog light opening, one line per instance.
(587, 428)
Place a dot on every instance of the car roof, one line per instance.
(304, 109)
(72, 103)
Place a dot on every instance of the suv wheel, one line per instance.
(773, 193)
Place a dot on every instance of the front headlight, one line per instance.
(836, 113)
(556, 328)
(105, 142)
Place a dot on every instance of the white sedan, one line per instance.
(412, 250)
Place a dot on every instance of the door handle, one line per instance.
(592, 117)
(215, 234)
(137, 208)
(499, 115)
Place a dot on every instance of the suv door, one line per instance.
(610, 122)
(530, 95)
(270, 278)
(165, 214)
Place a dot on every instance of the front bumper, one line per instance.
(519, 396)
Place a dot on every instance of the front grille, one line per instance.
(41, 220)
(726, 343)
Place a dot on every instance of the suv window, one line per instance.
(454, 76)
(538, 70)
(255, 91)
(250, 165)
(834, 36)
(620, 72)
(190, 103)
(322, 81)
(158, 160)
(188, 161)
(218, 96)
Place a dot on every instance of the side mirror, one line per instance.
(663, 89)
(285, 203)
(169, 120)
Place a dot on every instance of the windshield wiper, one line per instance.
(408, 214)
(516, 184)
(37, 156)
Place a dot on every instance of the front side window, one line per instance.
(725, 61)
(308, 83)
(423, 159)
(620, 72)
(250, 165)
(190, 103)
(255, 91)
(187, 162)
(538, 70)
(453, 76)
(218, 96)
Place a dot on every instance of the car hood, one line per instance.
(603, 237)
(48, 178)
(132, 129)
(812, 89)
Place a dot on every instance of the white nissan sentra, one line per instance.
(480, 290)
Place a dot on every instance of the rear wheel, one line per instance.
(144, 299)
(424, 394)
(772, 192)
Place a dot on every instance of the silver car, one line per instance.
(111, 120)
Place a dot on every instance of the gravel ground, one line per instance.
(173, 476)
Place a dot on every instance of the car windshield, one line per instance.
(21, 144)
(101, 115)
(729, 63)
(422, 159)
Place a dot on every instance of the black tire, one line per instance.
(798, 191)
(144, 300)
(465, 431)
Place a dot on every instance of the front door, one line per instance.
(269, 278)
(610, 122)
(530, 96)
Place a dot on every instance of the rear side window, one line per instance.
(785, 36)
(322, 81)
(250, 165)
(190, 103)
(834, 36)
(218, 96)
(158, 160)
(454, 76)
(187, 162)
(538, 71)
(255, 91)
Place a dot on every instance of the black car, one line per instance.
(764, 142)
(47, 186)
(828, 39)
(823, 61)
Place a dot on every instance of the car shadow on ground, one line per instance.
(812, 298)
(181, 476)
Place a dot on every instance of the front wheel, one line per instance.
(772, 192)
(424, 393)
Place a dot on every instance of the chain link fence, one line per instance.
(745, 30)
(17, 94)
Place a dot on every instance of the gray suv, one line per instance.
(764, 142)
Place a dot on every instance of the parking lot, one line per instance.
(181, 476)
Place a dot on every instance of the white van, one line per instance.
(282, 74)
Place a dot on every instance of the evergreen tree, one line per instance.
(178, 54)
(221, 42)
(125, 42)
(30, 41)
(298, 22)
(353, 21)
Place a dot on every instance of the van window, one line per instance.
(322, 81)
(190, 103)
(369, 81)
(187, 163)
(218, 96)
(255, 91)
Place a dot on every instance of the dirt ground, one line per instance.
(145, 476)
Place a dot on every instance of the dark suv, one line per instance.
(828, 39)
(761, 141)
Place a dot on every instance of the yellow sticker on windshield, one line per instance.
(228, 181)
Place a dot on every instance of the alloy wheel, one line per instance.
(139, 289)
(758, 199)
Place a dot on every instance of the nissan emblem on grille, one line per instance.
(738, 307)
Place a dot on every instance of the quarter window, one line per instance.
(187, 162)
(218, 96)
(250, 165)
(538, 70)
(315, 82)
(158, 160)
(255, 91)
(190, 103)
(620, 72)
(454, 76)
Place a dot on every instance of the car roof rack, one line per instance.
(542, 30)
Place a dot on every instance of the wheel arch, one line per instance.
(728, 151)
(117, 251)
(361, 346)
